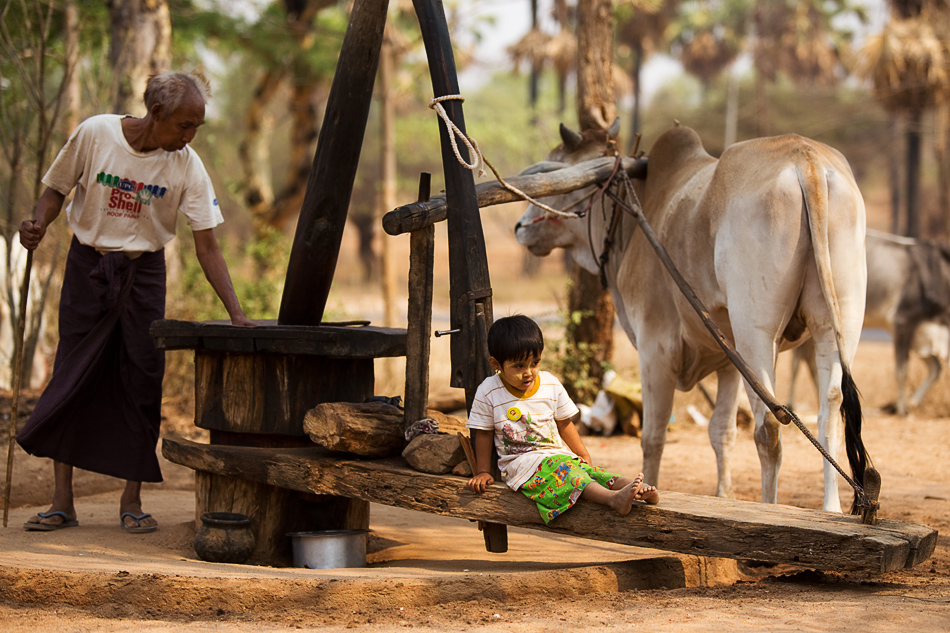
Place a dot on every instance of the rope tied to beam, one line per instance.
(436, 104)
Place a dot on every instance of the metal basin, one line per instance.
(329, 549)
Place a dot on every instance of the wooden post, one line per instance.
(320, 227)
(421, 260)
(469, 285)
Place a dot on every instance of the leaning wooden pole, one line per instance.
(469, 287)
(17, 375)
(320, 227)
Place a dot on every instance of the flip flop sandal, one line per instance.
(49, 527)
(136, 529)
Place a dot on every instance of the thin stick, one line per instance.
(17, 372)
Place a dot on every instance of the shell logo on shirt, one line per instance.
(128, 196)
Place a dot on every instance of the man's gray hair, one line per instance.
(171, 88)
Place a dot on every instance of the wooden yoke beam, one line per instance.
(416, 215)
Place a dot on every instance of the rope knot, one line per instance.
(478, 163)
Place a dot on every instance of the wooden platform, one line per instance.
(688, 524)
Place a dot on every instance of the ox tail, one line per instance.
(858, 458)
(815, 196)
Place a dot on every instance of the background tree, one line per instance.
(799, 40)
(36, 69)
(908, 64)
(641, 31)
(141, 46)
(709, 36)
(590, 326)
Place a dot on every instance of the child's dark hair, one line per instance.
(514, 338)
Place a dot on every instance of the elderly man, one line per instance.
(102, 408)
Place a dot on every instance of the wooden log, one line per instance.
(412, 217)
(688, 524)
(319, 231)
(371, 429)
(421, 261)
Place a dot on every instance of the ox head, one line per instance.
(542, 232)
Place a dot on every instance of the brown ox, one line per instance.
(771, 238)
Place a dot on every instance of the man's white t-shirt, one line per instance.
(524, 426)
(128, 200)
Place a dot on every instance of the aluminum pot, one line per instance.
(329, 549)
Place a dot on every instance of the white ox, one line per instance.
(771, 238)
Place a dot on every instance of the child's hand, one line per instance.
(480, 482)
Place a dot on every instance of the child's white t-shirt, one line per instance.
(128, 200)
(524, 427)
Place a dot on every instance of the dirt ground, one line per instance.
(432, 573)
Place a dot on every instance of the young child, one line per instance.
(529, 417)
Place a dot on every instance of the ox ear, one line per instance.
(614, 130)
(543, 167)
(572, 140)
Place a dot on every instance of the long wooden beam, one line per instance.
(417, 215)
(689, 524)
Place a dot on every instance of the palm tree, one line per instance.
(908, 64)
(710, 35)
(798, 39)
(537, 49)
(641, 30)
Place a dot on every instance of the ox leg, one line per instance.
(903, 337)
(806, 352)
(657, 409)
(933, 373)
(768, 445)
(830, 429)
(722, 427)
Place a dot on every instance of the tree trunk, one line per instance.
(635, 77)
(305, 129)
(762, 104)
(592, 338)
(595, 90)
(913, 175)
(894, 174)
(141, 46)
(254, 150)
(732, 107)
(71, 107)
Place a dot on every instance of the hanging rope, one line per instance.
(436, 104)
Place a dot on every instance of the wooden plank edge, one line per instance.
(688, 524)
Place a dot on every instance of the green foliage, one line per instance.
(572, 362)
(257, 273)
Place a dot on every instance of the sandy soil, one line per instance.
(432, 574)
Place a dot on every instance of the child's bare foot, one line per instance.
(622, 500)
(648, 494)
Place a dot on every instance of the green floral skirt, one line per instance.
(559, 482)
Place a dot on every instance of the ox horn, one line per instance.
(572, 140)
(543, 167)
(614, 130)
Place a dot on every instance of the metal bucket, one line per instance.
(329, 549)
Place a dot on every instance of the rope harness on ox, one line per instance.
(866, 501)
